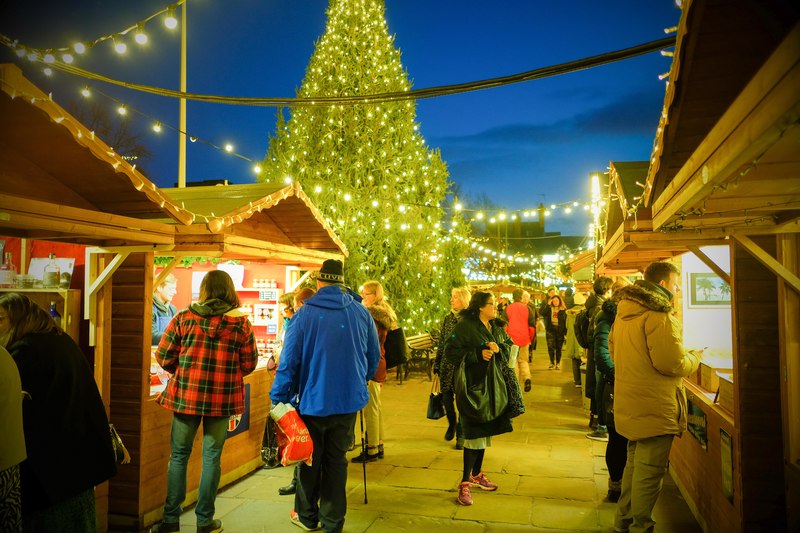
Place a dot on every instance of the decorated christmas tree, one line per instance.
(368, 169)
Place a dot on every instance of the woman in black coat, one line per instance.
(555, 327)
(477, 338)
(66, 429)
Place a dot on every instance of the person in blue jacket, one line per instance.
(163, 310)
(330, 351)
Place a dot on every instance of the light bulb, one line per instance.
(79, 47)
(67, 58)
(229, 148)
(170, 21)
(119, 46)
(157, 127)
(48, 71)
(257, 169)
(85, 92)
(140, 36)
(122, 110)
(49, 58)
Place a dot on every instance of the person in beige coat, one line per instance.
(650, 403)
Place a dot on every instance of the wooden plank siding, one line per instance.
(757, 390)
(131, 286)
(699, 471)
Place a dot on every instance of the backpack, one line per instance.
(581, 328)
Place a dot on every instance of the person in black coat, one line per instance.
(555, 327)
(66, 428)
(476, 340)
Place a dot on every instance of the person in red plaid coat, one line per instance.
(209, 348)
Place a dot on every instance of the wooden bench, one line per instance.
(421, 355)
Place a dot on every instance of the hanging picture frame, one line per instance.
(707, 290)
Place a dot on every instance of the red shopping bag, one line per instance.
(294, 441)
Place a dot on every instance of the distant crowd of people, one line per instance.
(331, 365)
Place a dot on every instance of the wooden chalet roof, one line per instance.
(255, 221)
(58, 181)
(630, 243)
(726, 159)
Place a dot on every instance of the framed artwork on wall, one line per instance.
(707, 290)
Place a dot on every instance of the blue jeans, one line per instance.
(184, 428)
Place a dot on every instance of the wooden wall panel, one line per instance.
(789, 303)
(132, 286)
(757, 390)
(700, 471)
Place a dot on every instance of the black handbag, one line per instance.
(516, 403)
(608, 402)
(484, 400)
(436, 401)
(395, 347)
(269, 445)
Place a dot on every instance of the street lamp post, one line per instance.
(182, 112)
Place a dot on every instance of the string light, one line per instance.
(140, 36)
(81, 47)
(169, 20)
(119, 45)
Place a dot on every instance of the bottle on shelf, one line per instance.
(55, 314)
(8, 272)
(52, 274)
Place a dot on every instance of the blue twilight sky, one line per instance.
(522, 144)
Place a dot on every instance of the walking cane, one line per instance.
(363, 452)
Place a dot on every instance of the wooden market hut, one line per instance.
(726, 169)
(62, 184)
(247, 223)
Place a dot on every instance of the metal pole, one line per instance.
(363, 451)
(182, 116)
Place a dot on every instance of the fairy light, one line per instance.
(140, 36)
(169, 19)
(157, 127)
(119, 45)
(85, 92)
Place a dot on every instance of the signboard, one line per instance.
(697, 424)
(726, 452)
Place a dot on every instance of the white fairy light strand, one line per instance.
(67, 53)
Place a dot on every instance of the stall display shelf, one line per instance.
(68, 303)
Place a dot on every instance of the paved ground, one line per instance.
(551, 477)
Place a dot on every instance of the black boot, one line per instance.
(291, 488)
(451, 432)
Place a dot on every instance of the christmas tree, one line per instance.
(368, 169)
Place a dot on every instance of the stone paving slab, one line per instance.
(560, 489)
(495, 507)
(551, 478)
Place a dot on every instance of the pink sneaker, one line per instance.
(482, 482)
(464, 496)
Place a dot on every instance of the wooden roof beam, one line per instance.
(756, 120)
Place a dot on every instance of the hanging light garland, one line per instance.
(119, 40)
